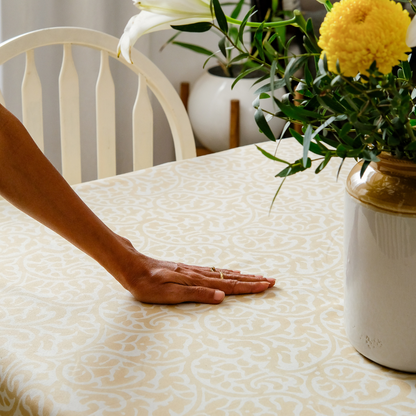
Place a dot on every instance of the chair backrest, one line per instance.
(142, 115)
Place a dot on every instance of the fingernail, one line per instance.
(262, 286)
(271, 280)
(219, 295)
(258, 275)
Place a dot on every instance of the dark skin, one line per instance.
(31, 183)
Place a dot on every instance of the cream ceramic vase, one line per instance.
(209, 110)
(380, 262)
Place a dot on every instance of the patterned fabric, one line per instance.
(74, 342)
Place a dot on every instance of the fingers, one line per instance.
(234, 286)
(196, 294)
(171, 283)
(207, 290)
(230, 286)
(212, 291)
(227, 274)
(242, 277)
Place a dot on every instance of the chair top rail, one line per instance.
(162, 88)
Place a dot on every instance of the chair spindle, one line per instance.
(142, 128)
(70, 120)
(105, 120)
(32, 107)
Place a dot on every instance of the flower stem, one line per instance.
(297, 20)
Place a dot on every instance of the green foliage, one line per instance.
(341, 117)
(232, 47)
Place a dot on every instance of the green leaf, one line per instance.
(364, 167)
(294, 168)
(278, 83)
(233, 34)
(327, 3)
(326, 160)
(331, 104)
(323, 65)
(263, 125)
(263, 96)
(297, 113)
(330, 142)
(313, 147)
(242, 75)
(370, 156)
(324, 125)
(194, 27)
(293, 65)
(275, 195)
(194, 48)
(411, 146)
(261, 79)
(270, 156)
(306, 143)
(209, 58)
(221, 45)
(355, 152)
(338, 66)
(308, 76)
(258, 40)
(238, 58)
(301, 87)
(220, 16)
(270, 51)
(237, 9)
(363, 128)
(338, 80)
(345, 130)
(311, 36)
(244, 23)
(342, 151)
(272, 76)
(286, 126)
(309, 46)
(340, 167)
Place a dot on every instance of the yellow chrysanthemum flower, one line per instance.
(358, 32)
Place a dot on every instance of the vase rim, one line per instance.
(389, 163)
(388, 185)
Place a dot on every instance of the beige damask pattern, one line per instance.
(73, 342)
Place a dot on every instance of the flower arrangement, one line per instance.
(358, 94)
(197, 16)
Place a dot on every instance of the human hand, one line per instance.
(164, 282)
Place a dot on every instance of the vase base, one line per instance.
(387, 363)
(380, 284)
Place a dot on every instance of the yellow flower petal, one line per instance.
(358, 32)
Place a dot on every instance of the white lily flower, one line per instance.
(411, 34)
(176, 8)
(161, 15)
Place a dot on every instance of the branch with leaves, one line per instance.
(354, 105)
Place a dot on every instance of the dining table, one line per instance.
(74, 342)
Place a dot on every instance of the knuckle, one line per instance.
(233, 286)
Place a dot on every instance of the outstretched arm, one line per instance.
(30, 182)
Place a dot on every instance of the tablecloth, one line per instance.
(74, 342)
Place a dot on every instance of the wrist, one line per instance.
(122, 259)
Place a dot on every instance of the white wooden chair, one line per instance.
(149, 77)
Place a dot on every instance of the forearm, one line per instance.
(30, 182)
